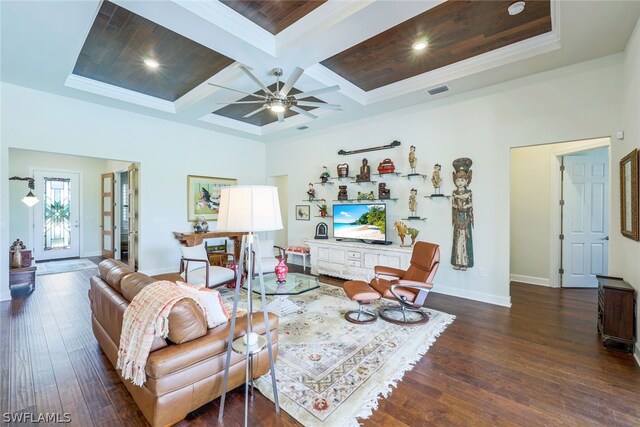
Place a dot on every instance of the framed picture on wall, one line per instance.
(303, 212)
(203, 196)
(629, 195)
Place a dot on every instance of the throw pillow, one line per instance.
(195, 252)
(216, 313)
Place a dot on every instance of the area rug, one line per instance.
(64, 266)
(330, 371)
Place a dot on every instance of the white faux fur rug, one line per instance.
(330, 371)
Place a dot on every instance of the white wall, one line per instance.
(167, 153)
(534, 194)
(577, 102)
(625, 253)
(21, 163)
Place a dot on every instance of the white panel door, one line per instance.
(56, 218)
(585, 247)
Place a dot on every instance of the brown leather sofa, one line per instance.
(184, 371)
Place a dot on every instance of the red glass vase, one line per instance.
(281, 271)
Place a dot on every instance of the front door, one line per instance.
(585, 247)
(57, 218)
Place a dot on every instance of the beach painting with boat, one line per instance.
(367, 222)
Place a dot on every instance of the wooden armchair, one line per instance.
(196, 268)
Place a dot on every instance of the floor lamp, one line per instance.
(249, 208)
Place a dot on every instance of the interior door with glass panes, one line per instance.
(107, 226)
(56, 219)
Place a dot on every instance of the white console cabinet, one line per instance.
(353, 260)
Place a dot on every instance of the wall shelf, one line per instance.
(312, 200)
(324, 183)
(340, 178)
(365, 182)
(413, 219)
(415, 175)
(438, 196)
(389, 173)
(326, 216)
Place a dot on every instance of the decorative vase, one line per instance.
(323, 214)
(281, 271)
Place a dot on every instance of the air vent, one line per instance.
(302, 127)
(437, 90)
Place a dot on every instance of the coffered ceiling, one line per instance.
(96, 50)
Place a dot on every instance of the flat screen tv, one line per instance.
(367, 222)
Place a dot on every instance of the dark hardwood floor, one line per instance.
(539, 363)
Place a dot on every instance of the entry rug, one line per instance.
(64, 266)
(330, 371)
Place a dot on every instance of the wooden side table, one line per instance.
(23, 276)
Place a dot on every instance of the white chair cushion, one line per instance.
(194, 252)
(216, 313)
(217, 275)
(268, 264)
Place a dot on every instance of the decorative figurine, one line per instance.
(197, 228)
(366, 196)
(204, 225)
(324, 176)
(343, 170)
(383, 192)
(311, 192)
(281, 270)
(402, 230)
(436, 181)
(342, 192)
(462, 215)
(413, 160)
(386, 166)
(413, 203)
(322, 231)
(323, 208)
(365, 172)
(413, 233)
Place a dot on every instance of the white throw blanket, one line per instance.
(145, 318)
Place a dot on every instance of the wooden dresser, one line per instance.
(616, 313)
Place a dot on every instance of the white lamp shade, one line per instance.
(249, 208)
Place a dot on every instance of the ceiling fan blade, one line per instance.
(280, 117)
(242, 102)
(255, 111)
(241, 91)
(255, 79)
(303, 112)
(316, 92)
(293, 78)
(318, 105)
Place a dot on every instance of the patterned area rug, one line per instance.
(64, 266)
(330, 371)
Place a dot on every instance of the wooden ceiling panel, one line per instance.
(118, 43)
(273, 15)
(236, 111)
(455, 30)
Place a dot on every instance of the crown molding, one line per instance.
(116, 92)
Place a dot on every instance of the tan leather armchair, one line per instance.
(411, 287)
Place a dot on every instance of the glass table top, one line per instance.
(297, 283)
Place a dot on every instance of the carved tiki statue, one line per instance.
(462, 215)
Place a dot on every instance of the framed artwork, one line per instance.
(203, 196)
(303, 212)
(629, 195)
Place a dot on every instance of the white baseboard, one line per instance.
(88, 254)
(636, 354)
(476, 296)
(540, 281)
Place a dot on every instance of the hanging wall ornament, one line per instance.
(462, 215)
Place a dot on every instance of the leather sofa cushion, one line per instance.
(112, 271)
(186, 320)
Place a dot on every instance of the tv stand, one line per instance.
(381, 242)
(354, 260)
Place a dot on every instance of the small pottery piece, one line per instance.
(384, 193)
(342, 192)
(343, 170)
(281, 271)
(386, 166)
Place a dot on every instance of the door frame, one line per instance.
(555, 219)
(32, 224)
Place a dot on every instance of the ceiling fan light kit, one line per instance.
(279, 100)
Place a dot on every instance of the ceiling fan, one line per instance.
(279, 100)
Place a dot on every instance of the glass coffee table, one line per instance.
(296, 283)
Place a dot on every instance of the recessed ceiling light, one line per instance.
(516, 8)
(151, 63)
(420, 45)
